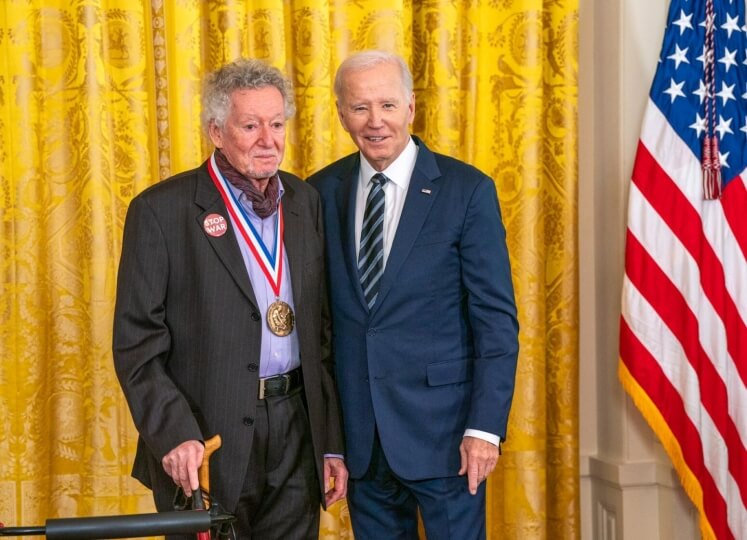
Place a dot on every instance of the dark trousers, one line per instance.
(384, 505)
(280, 497)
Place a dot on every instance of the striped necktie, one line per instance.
(371, 254)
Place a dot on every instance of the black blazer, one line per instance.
(187, 330)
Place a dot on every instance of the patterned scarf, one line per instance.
(264, 204)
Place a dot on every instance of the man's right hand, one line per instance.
(182, 463)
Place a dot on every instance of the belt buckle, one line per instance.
(287, 380)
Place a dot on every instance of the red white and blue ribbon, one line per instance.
(271, 263)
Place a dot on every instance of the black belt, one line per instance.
(280, 385)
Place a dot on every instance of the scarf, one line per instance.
(264, 204)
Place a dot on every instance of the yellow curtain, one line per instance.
(100, 98)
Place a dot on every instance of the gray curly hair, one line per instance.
(240, 74)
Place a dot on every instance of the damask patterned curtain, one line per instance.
(100, 98)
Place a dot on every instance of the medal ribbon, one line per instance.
(270, 263)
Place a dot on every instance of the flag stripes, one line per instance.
(683, 336)
(666, 400)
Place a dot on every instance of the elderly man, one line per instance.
(425, 328)
(221, 322)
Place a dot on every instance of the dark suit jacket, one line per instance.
(187, 330)
(437, 352)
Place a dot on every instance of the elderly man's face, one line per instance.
(253, 135)
(376, 111)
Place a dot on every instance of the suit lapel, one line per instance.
(346, 203)
(225, 246)
(293, 238)
(421, 193)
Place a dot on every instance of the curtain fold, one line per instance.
(100, 98)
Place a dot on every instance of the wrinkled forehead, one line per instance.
(266, 101)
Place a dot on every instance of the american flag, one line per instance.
(683, 337)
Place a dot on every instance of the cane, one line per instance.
(201, 497)
(197, 521)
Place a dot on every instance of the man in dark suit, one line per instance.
(425, 335)
(221, 322)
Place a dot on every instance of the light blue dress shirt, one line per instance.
(277, 354)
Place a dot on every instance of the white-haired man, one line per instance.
(221, 323)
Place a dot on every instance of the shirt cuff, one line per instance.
(340, 456)
(484, 435)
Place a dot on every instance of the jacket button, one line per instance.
(255, 316)
(252, 367)
(248, 421)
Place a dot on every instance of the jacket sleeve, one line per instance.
(486, 274)
(142, 340)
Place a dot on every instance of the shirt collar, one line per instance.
(400, 170)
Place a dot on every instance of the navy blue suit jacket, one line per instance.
(437, 352)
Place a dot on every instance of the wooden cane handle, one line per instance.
(211, 445)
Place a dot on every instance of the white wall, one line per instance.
(629, 490)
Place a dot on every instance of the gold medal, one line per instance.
(280, 318)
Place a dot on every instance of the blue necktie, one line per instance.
(371, 254)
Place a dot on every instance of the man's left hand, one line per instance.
(479, 458)
(334, 469)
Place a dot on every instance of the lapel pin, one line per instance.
(426, 191)
(215, 225)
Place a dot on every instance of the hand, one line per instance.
(182, 463)
(479, 458)
(334, 469)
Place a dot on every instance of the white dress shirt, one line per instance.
(395, 191)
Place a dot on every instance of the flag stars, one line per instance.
(675, 90)
(689, 67)
(679, 56)
(723, 127)
(708, 22)
(684, 21)
(705, 56)
(726, 93)
(702, 91)
(723, 159)
(731, 24)
(699, 125)
(728, 59)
